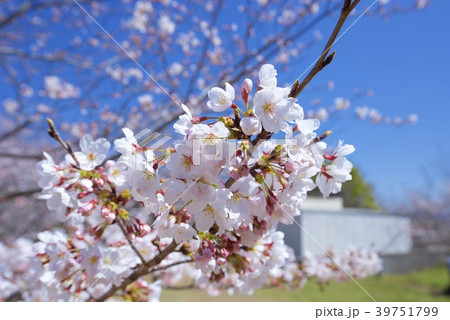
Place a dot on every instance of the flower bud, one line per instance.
(99, 182)
(143, 229)
(227, 121)
(250, 126)
(107, 214)
(246, 87)
(86, 209)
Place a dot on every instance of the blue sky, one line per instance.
(405, 60)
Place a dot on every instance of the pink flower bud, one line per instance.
(224, 253)
(247, 86)
(87, 208)
(81, 195)
(110, 218)
(107, 214)
(143, 229)
(263, 225)
(99, 182)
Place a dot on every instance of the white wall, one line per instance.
(382, 232)
(336, 227)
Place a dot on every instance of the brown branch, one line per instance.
(30, 6)
(171, 265)
(122, 228)
(19, 12)
(15, 130)
(55, 135)
(16, 194)
(9, 51)
(186, 287)
(139, 271)
(325, 59)
(20, 156)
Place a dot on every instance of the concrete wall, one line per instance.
(383, 232)
(403, 263)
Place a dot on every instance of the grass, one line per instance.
(425, 285)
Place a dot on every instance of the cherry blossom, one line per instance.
(92, 152)
(250, 126)
(220, 99)
(205, 208)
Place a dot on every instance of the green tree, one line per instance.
(357, 193)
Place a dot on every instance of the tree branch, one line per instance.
(20, 156)
(30, 6)
(15, 130)
(9, 51)
(140, 270)
(170, 265)
(324, 58)
(55, 135)
(16, 194)
(122, 228)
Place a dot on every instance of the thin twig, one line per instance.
(55, 135)
(170, 265)
(20, 156)
(140, 270)
(325, 59)
(16, 194)
(122, 228)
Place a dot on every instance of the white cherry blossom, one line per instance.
(219, 99)
(92, 152)
(271, 107)
(250, 126)
(268, 76)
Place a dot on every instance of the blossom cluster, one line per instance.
(362, 113)
(56, 88)
(206, 208)
(338, 266)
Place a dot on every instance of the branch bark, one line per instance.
(30, 6)
(140, 270)
(325, 58)
(20, 156)
(124, 232)
(16, 194)
(55, 135)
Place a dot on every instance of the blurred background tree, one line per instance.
(357, 193)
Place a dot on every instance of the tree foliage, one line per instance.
(357, 193)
